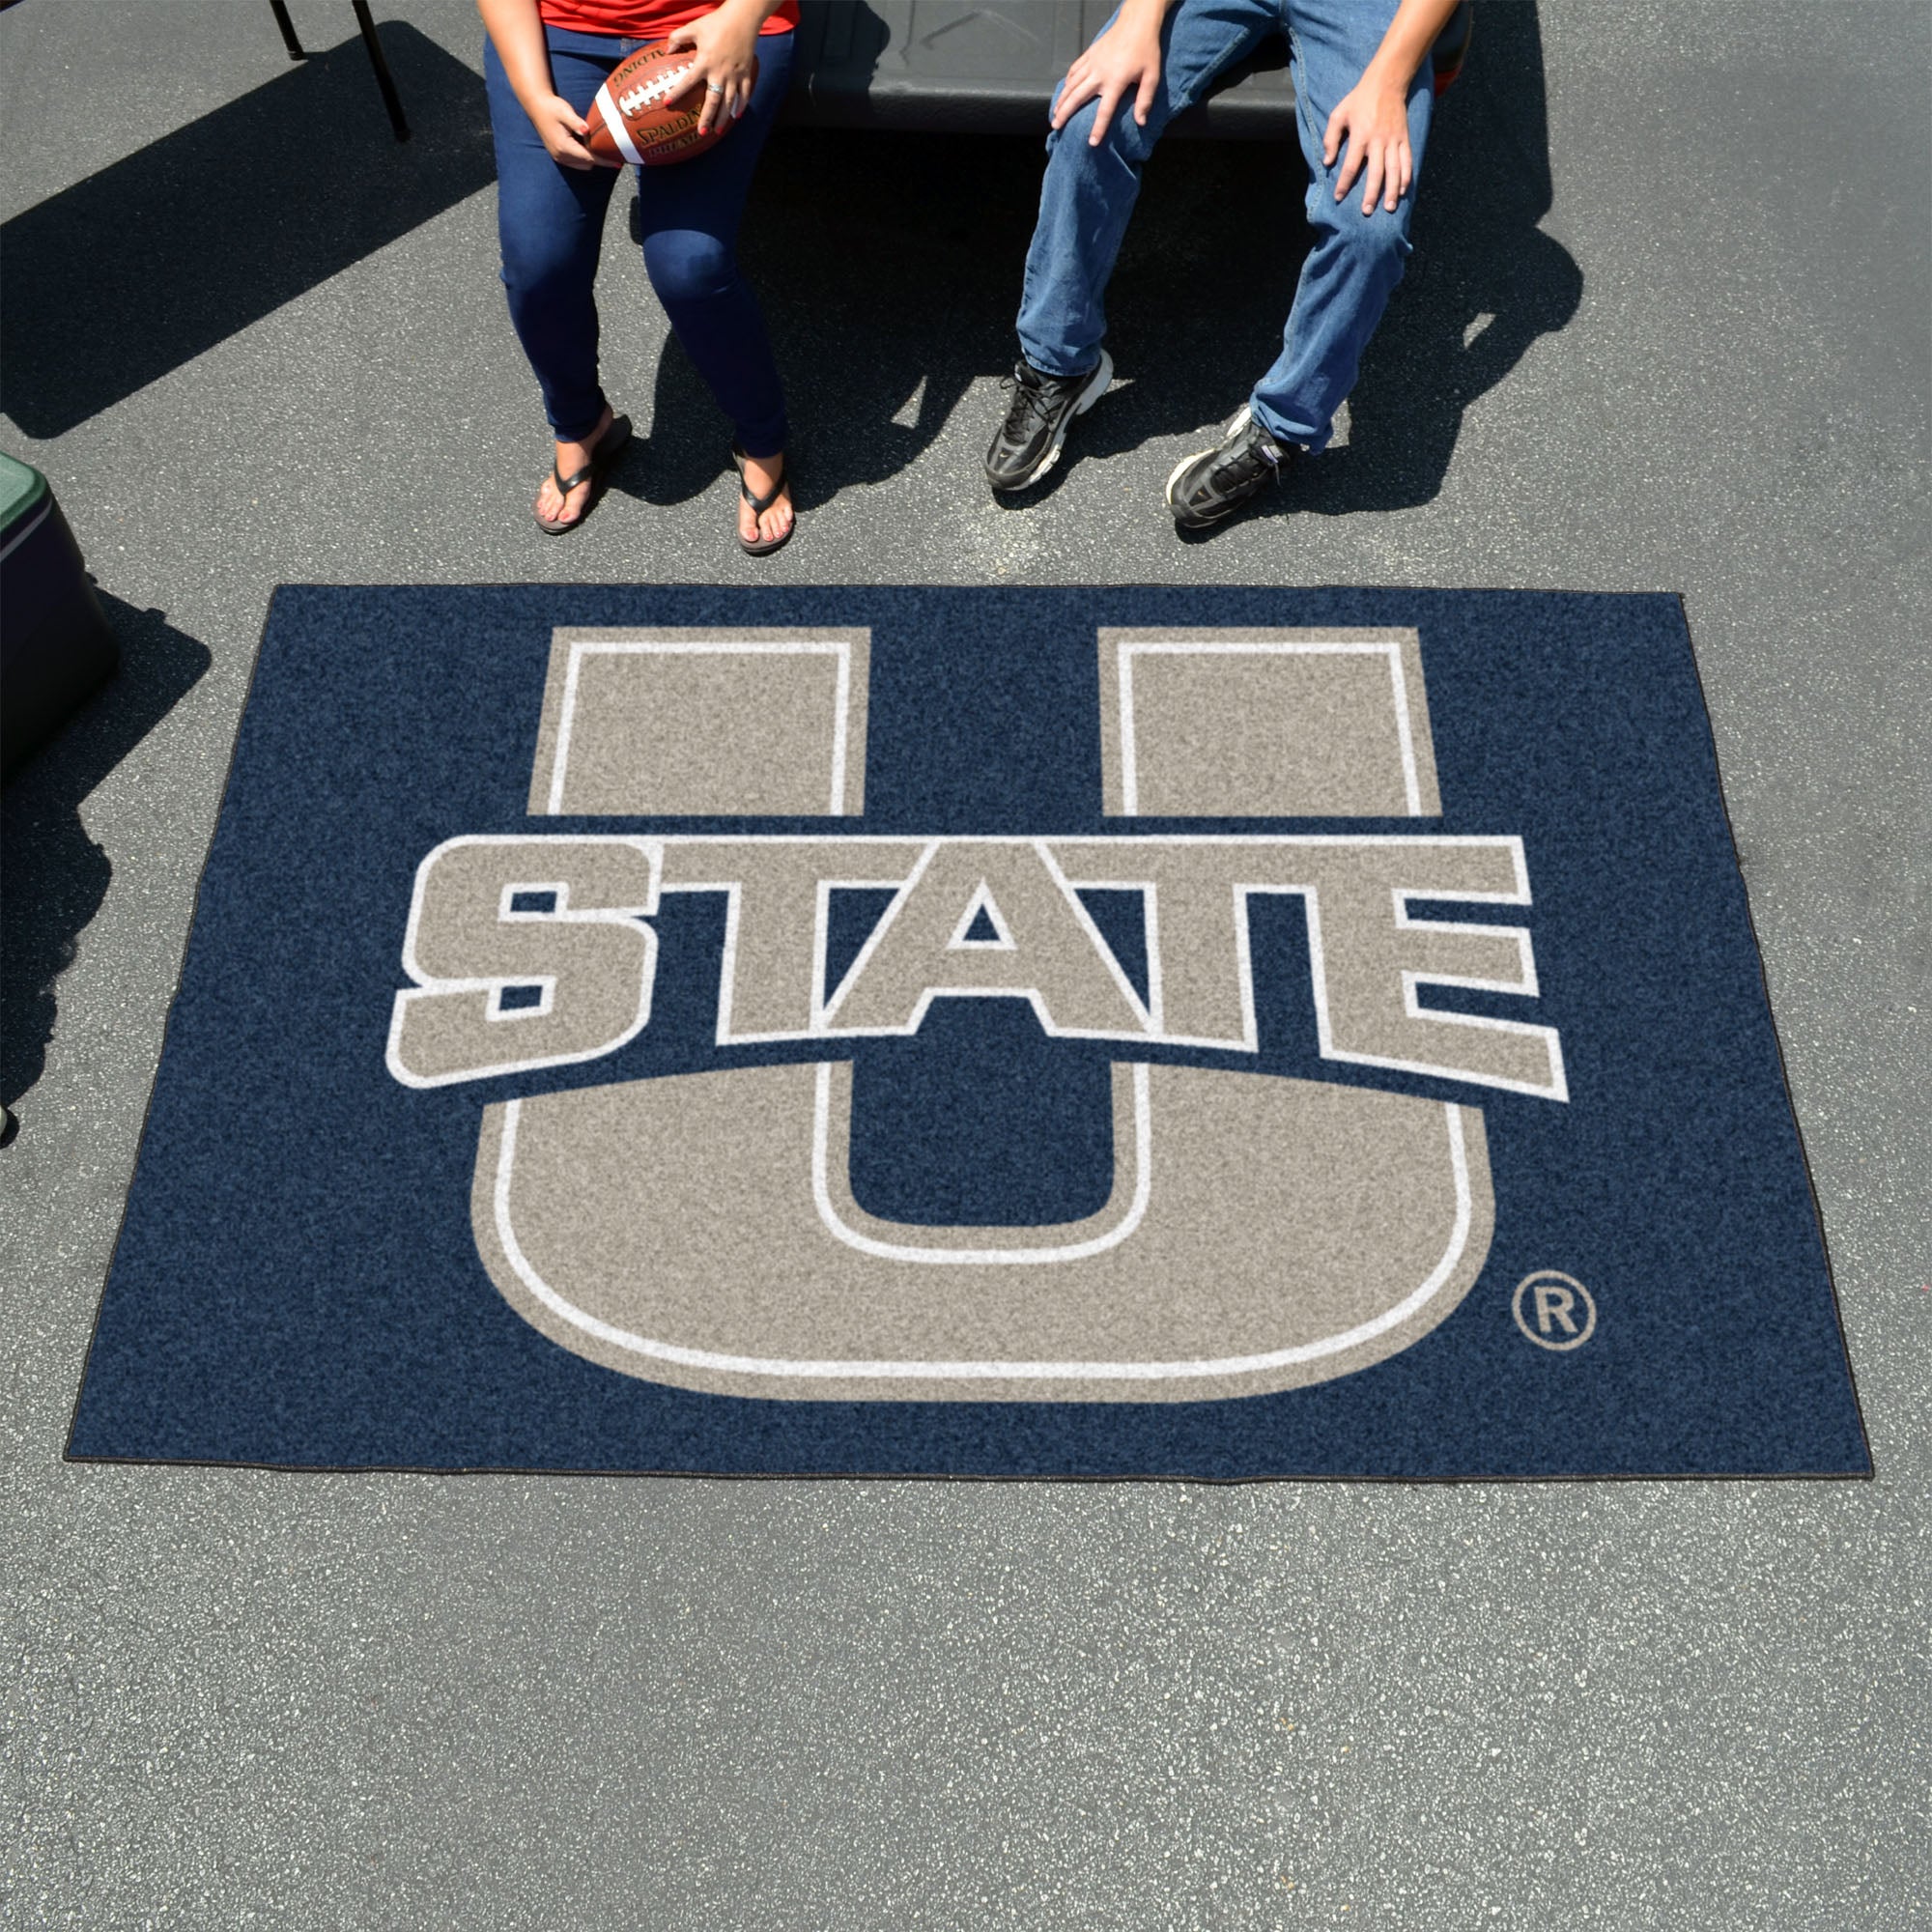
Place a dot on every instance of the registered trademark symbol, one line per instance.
(1553, 1309)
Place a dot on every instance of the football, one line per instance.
(630, 122)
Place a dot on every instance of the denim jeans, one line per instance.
(551, 222)
(1350, 272)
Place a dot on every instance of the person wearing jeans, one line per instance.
(1363, 92)
(543, 64)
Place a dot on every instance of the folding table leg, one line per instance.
(391, 99)
(288, 27)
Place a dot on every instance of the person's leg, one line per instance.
(1084, 201)
(691, 215)
(550, 221)
(1357, 259)
(1090, 191)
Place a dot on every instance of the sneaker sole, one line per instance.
(1096, 387)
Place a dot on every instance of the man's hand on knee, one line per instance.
(1125, 59)
(1373, 116)
(1373, 121)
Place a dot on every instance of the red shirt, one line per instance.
(646, 19)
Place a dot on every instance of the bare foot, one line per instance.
(763, 473)
(551, 504)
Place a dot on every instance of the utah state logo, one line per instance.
(1223, 1229)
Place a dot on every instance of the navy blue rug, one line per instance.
(973, 1033)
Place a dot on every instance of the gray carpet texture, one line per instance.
(1668, 328)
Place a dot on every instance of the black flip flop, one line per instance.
(611, 445)
(762, 546)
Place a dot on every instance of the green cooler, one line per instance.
(55, 646)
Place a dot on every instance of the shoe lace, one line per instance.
(1250, 458)
(1028, 399)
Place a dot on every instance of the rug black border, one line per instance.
(1870, 1473)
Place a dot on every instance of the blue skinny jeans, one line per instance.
(551, 222)
(1354, 264)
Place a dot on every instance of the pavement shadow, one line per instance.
(890, 267)
(118, 280)
(55, 876)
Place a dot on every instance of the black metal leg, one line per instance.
(391, 99)
(288, 27)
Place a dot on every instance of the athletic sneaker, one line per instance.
(1038, 419)
(1206, 485)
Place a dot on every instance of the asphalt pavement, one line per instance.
(1668, 328)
